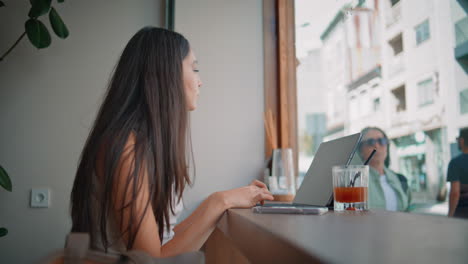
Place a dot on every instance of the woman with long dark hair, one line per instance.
(134, 165)
(387, 189)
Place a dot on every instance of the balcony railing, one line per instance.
(396, 65)
(461, 31)
(393, 14)
(399, 118)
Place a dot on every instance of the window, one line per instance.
(426, 92)
(397, 44)
(280, 64)
(394, 2)
(422, 32)
(315, 130)
(461, 31)
(376, 104)
(374, 34)
(399, 94)
(464, 101)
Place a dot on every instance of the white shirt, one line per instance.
(116, 243)
(167, 236)
(391, 201)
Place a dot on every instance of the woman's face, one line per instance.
(192, 81)
(374, 139)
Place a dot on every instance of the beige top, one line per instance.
(116, 244)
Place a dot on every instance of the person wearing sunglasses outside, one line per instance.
(457, 175)
(387, 189)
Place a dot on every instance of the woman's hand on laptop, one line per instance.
(247, 196)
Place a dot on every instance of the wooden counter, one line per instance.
(350, 237)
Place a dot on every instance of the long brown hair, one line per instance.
(145, 98)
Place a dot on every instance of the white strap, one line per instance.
(76, 248)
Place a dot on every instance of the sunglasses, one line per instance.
(372, 141)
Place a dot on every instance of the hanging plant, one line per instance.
(39, 36)
(36, 30)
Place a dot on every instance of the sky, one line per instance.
(318, 13)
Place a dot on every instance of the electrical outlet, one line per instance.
(40, 198)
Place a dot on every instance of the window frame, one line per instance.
(460, 95)
(422, 88)
(418, 26)
(280, 73)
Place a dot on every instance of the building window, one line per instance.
(376, 104)
(461, 31)
(397, 44)
(426, 92)
(399, 94)
(464, 101)
(422, 32)
(394, 2)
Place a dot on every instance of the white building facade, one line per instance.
(416, 95)
(350, 49)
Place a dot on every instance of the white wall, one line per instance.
(227, 127)
(48, 99)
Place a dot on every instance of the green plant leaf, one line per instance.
(37, 33)
(3, 231)
(2, 4)
(57, 24)
(39, 8)
(5, 181)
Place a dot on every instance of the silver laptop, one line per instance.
(316, 189)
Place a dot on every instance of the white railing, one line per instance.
(393, 14)
(396, 65)
(399, 118)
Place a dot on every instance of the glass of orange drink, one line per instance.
(350, 185)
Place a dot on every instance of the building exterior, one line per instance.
(459, 9)
(350, 49)
(311, 108)
(309, 84)
(418, 94)
(366, 101)
(401, 65)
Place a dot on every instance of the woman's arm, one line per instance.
(195, 214)
(147, 238)
(197, 227)
(193, 232)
